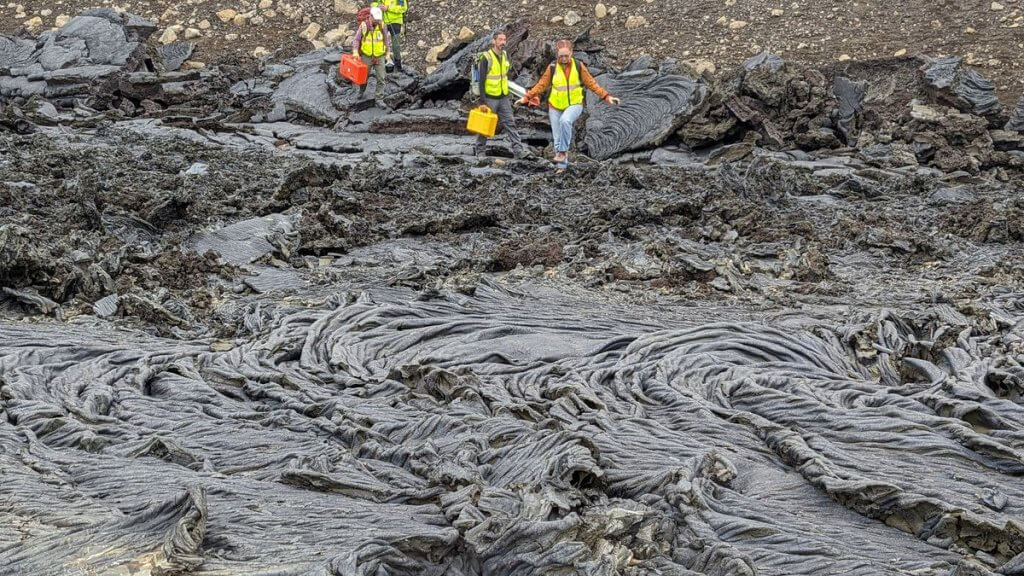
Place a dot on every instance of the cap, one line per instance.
(376, 13)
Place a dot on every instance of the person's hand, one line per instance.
(612, 100)
(523, 101)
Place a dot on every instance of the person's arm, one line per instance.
(357, 39)
(387, 38)
(483, 66)
(541, 86)
(590, 83)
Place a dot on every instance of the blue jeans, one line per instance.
(561, 125)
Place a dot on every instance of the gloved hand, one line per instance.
(612, 100)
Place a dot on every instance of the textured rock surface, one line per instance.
(1016, 122)
(963, 87)
(250, 325)
(654, 106)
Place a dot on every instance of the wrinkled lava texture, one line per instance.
(772, 325)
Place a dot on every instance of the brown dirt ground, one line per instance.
(815, 32)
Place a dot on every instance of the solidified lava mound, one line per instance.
(248, 326)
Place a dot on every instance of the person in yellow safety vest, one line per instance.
(371, 43)
(567, 78)
(394, 19)
(493, 69)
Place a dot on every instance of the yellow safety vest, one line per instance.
(565, 92)
(496, 83)
(373, 41)
(394, 11)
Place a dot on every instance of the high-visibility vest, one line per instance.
(565, 92)
(394, 11)
(496, 83)
(373, 41)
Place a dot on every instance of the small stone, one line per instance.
(310, 32)
(801, 46)
(844, 57)
(433, 53)
(192, 33)
(572, 18)
(204, 25)
(226, 15)
(996, 7)
(62, 20)
(970, 30)
(730, 2)
(260, 52)
(431, 69)
(240, 20)
(231, 37)
(557, 19)
(613, 10)
(421, 44)
(994, 62)
(776, 12)
(635, 22)
(600, 11)
(345, 7)
(335, 36)
(900, 52)
(317, 44)
(264, 4)
(168, 36)
(701, 65)
(466, 33)
(45, 12)
(194, 65)
(737, 24)
(34, 23)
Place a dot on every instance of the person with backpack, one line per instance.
(566, 77)
(492, 72)
(371, 43)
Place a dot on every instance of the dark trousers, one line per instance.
(506, 121)
(396, 44)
